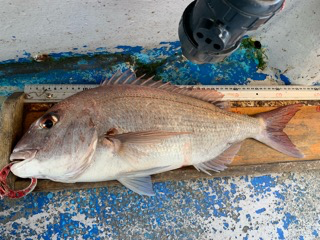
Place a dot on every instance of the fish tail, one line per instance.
(273, 124)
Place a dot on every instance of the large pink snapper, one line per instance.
(128, 129)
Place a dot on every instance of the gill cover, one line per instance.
(66, 155)
(77, 150)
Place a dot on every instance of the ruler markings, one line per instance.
(58, 92)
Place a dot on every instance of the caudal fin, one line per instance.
(273, 135)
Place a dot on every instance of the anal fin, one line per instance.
(219, 163)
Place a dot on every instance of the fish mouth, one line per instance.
(23, 155)
(24, 168)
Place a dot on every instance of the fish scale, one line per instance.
(127, 130)
(205, 121)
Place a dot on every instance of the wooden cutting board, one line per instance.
(253, 158)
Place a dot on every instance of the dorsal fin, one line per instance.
(129, 77)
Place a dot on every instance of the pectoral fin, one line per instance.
(144, 137)
(219, 163)
(125, 144)
(140, 185)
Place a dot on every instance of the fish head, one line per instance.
(58, 146)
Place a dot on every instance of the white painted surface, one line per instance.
(58, 26)
(291, 37)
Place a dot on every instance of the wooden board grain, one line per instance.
(11, 128)
(253, 157)
(303, 130)
(11, 125)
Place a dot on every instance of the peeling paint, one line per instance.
(165, 62)
(236, 208)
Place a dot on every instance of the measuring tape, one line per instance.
(58, 92)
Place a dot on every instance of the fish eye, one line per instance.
(48, 121)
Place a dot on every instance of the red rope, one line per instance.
(6, 191)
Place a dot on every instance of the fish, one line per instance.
(129, 128)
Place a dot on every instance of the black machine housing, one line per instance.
(210, 30)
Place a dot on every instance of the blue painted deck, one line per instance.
(281, 206)
(277, 206)
(165, 61)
